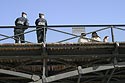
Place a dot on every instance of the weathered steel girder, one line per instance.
(23, 61)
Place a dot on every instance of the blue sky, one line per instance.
(62, 12)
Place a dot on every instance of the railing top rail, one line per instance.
(117, 25)
(64, 26)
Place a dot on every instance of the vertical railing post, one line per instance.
(112, 33)
(44, 54)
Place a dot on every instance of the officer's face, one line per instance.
(42, 16)
(24, 15)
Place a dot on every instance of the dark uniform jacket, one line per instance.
(40, 22)
(22, 21)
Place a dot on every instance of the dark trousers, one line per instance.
(18, 37)
(40, 35)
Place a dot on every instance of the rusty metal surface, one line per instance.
(61, 57)
(60, 49)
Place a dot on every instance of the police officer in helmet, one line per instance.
(41, 26)
(21, 25)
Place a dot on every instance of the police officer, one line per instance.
(21, 25)
(41, 24)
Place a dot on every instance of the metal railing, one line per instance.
(56, 28)
(73, 36)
